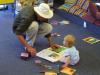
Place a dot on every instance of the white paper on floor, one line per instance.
(63, 22)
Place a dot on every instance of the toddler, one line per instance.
(71, 54)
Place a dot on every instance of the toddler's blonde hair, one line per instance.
(70, 39)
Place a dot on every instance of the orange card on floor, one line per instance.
(67, 70)
(50, 73)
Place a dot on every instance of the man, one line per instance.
(33, 22)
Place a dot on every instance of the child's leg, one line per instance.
(65, 60)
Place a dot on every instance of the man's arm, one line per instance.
(22, 40)
(50, 41)
(29, 48)
(21, 24)
(49, 38)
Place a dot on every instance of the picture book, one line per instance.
(68, 71)
(50, 54)
(91, 40)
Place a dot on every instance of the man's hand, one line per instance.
(55, 46)
(31, 50)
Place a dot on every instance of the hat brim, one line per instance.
(47, 16)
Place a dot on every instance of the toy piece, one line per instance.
(55, 34)
(67, 70)
(64, 22)
(54, 22)
(39, 62)
(24, 55)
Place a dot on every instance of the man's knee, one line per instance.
(34, 25)
(48, 27)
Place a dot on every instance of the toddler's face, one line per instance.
(65, 43)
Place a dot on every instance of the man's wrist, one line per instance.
(27, 46)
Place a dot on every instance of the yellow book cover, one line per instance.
(67, 70)
(6, 1)
(91, 40)
(50, 73)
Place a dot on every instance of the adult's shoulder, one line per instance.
(27, 12)
(27, 8)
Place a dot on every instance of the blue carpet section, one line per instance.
(79, 21)
(10, 49)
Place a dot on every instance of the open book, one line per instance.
(50, 54)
